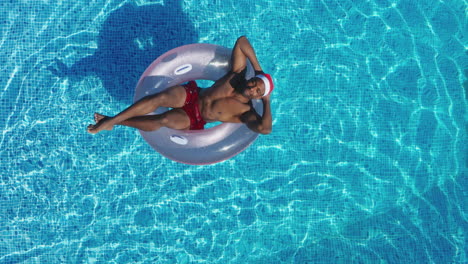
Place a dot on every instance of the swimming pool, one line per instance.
(366, 162)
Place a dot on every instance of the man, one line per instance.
(227, 100)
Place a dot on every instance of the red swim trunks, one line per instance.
(191, 106)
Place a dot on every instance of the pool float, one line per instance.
(196, 147)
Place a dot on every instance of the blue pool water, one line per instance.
(366, 163)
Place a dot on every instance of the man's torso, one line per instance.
(221, 103)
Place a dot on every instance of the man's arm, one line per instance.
(255, 122)
(241, 52)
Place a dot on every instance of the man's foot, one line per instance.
(98, 117)
(102, 123)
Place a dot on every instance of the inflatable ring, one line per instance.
(180, 65)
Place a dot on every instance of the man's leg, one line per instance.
(172, 97)
(175, 119)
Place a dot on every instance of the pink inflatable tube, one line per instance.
(182, 64)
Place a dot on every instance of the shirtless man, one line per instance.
(227, 100)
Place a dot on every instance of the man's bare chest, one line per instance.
(224, 109)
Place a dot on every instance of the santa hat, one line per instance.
(268, 81)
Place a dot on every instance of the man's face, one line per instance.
(255, 88)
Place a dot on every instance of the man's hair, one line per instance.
(241, 86)
(239, 83)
